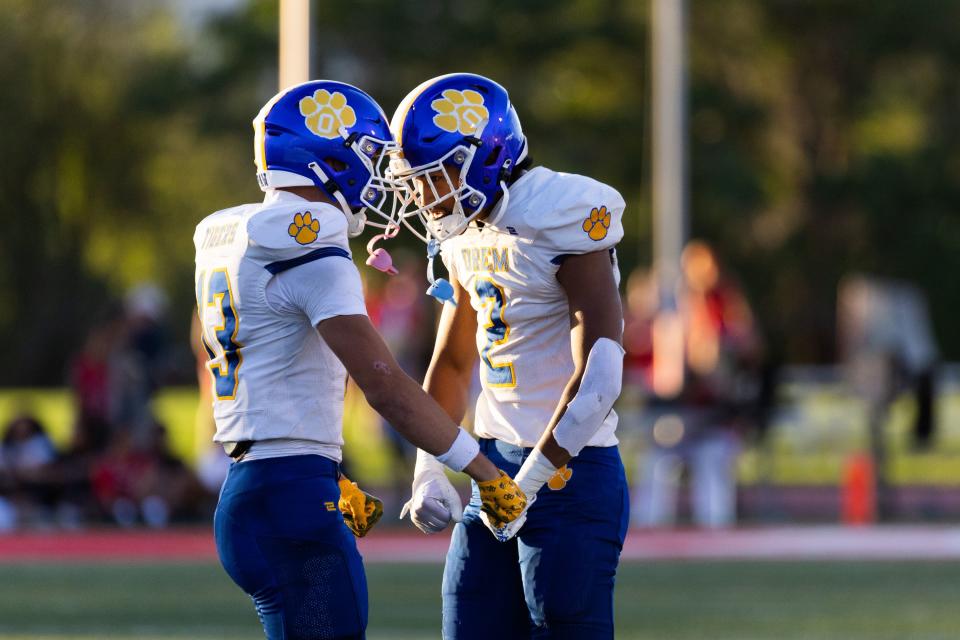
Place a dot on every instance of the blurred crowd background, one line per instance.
(816, 306)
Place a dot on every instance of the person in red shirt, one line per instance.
(701, 426)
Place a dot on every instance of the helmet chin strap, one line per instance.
(450, 225)
(501, 207)
(440, 288)
(355, 221)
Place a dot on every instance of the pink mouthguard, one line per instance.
(379, 258)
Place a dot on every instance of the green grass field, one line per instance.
(664, 601)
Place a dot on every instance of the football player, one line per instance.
(534, 295)
(283, 323)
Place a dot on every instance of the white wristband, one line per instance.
(534, 473)
(461, 453)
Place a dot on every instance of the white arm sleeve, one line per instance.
(320, 289)
(599, 389)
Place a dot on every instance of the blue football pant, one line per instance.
(282, 539)
(556, 578)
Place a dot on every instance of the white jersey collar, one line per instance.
(273, 197)
(278, 196)
(498, 209)
(503, 205)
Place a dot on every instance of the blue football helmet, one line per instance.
(458, 120)
(330, 135)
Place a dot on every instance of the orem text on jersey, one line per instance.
(487, 259)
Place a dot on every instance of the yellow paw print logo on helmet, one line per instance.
(304, 228)
(459, 111)
(597, 223)
(326, 112)
(560, 479)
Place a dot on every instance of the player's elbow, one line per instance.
(377, 393)
(448, 374)
(391, 398)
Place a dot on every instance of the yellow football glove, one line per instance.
(360, 509)
(502, 500)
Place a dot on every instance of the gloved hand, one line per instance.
(533, 474)
(360, 509)
(502, 502)
(435, 502)
(504, 531)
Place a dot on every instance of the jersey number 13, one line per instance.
(219, 325)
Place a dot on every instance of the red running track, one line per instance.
(775, 543)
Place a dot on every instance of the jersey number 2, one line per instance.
(219, 331)
(498, 332)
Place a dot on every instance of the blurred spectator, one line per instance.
(176, 493)
(700, 427)
(8, 515)
(112, 378)
(26, 446)
(887, 345)
(639, 311)
(27, 469)
(149, 484)
(119, 479)
(90, 378)
(111, 468)
(146, 308)
(140, 359)
(117, 370)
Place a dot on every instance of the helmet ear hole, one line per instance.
(338, 166)
(492, 156)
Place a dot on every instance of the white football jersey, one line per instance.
(273, 375)
(509, 267)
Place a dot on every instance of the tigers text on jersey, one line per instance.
(509, 268)
(266, 275)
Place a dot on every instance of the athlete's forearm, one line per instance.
(587, 401)
(420, 420)
(392, 393)
(596, 320)
(557, 455)
(450, 387)
(454, 357)
(407, 407)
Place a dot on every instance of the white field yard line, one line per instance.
(907, 542)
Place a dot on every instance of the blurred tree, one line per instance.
(823, 139)
(116, 143)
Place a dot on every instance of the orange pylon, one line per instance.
(858, 491)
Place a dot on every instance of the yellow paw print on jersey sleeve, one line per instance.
(597, 223)
(304, 228)
(459, 111)
(560, 479)
(326, 112)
